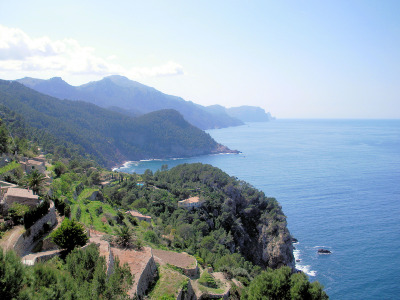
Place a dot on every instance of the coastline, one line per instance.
(126, 163)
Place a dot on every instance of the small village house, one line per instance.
(191, 202)
(139, 216)
(21, 196)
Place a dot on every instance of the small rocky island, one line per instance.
(324, 251)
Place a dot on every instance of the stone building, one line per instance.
(139, 216)
(21, 196)
(191, 202)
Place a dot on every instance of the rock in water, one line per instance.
(324, 251)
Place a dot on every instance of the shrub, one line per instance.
(17, 212)
(151, 237)
(208, 280)
(99, 210)
(69, 235)
(78, 213)
(31, 216)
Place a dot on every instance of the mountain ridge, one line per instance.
(134, 98)
(110, 136)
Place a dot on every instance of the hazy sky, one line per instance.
(296, 59)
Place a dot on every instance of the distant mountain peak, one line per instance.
(133, 98)
(125, 81)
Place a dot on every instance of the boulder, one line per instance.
(324, 251)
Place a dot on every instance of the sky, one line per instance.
(295, 59)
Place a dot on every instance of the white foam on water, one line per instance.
(304, 268)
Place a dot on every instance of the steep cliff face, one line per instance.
(271, 245)
(277, 249)
(237, 215)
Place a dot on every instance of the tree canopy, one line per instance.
(69, 235)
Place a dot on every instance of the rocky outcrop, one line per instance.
(78, 190)
(324, 251)
(275, 248)
(96, 196)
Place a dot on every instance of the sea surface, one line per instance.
(338, 182)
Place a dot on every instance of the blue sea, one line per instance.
(338, 182)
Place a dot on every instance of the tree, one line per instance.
(17, 212)
(95, 178)
(59, 168)
(11, 275)
(35, 181)
(281, 284)
(3, 139)
(69, 235)
(124, 236)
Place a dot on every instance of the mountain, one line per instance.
(244, 113)
(130, 96)
(249, 114)
(108, 135)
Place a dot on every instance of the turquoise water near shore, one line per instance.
(338, 182)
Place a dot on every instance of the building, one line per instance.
(191, 202)
(21, 196)
(139, 216)
(31, 164)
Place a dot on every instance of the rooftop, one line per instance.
(191, 200)
(35, 162)
(137, 214)
(17, 192)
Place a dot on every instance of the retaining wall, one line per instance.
(189, 294)
(146, 277)
(26, 240)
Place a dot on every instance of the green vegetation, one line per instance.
(9, 167)
(231, 230)
(169, 283)
(132, 98)
(17, 212)
(208, 280)
(217, 232)
(81, 276)
(35, 181)
(281, 284)
(11, 275)
(69, 235)
(72, 128)
(34, 214)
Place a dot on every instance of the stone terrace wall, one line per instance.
(146, 277)
(188, 295)
(25, 241)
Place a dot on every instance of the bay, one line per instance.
(338, 182)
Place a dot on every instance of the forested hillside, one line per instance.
(107, 135)
(131, 97)
(234, 217)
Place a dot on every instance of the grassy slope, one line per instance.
(169, 283)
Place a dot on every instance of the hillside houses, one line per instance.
(139, 216)
(21, 196)
(37, 163)
(191, 202)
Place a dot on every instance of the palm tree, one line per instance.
(124, 236)
(35, 181)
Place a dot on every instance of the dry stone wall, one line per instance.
(25, 242)
(187, 294)
(146, 277)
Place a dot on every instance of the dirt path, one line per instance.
(11, 237)
(31, 258)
